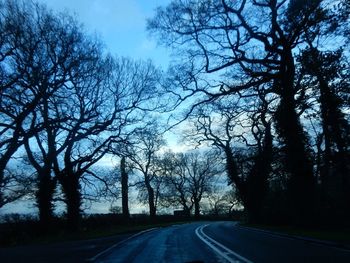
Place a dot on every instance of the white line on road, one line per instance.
(220, 249)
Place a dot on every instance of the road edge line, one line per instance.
(119, 243)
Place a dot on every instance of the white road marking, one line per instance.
(220, 249)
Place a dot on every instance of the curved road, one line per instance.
(217, 242)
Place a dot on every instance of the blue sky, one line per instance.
(120, 23)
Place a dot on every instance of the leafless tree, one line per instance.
(109, 105)
(189, 177)
(176, 191)
(64, 100)
(143, 155)
(34, 63)
(239, 46)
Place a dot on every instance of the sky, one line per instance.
(121, 24)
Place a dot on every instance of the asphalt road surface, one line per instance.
(218, 242)
(194, 242)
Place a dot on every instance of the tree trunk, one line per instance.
(297, 157)
(71, 188)
(257, 181)
(232, 170)
(44, 196)
(124, 183)
(151, 204)
(335, 170)
(187, 210)
(196, 208)
(2, 200)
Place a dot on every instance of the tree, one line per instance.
(176, 187)
(18, 183)
(326, 72)
(250, 45)
(220, 202)
(143, 155)
(64, 73)
(243, 135)
(189, 177)
(33, 66)
(59, 51)
(110, 98)
(201, 170)
(65, 101)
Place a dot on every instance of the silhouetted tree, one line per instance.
(200, 170)
(325, 69)
(189, 177)
(248, 152)
(59, 54)
(143, 155)
(34, 64)
(252, 44)
(176, 188)
(108, 106)
(124, 187)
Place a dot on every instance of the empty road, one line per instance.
(217, 242)
(194, 242)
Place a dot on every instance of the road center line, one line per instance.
(219, 248)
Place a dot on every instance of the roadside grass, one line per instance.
(336, 235)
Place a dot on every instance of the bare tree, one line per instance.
(221, 202)
(63, 52)
(201, 170)
(34, 62)
(176, 190)
(243, 134)
(189, 177)
(143, 155)
(242, 46)
(109, 105)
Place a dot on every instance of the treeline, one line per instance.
(192, 183)
(263, 84)
(65, 103)
(268, 85)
